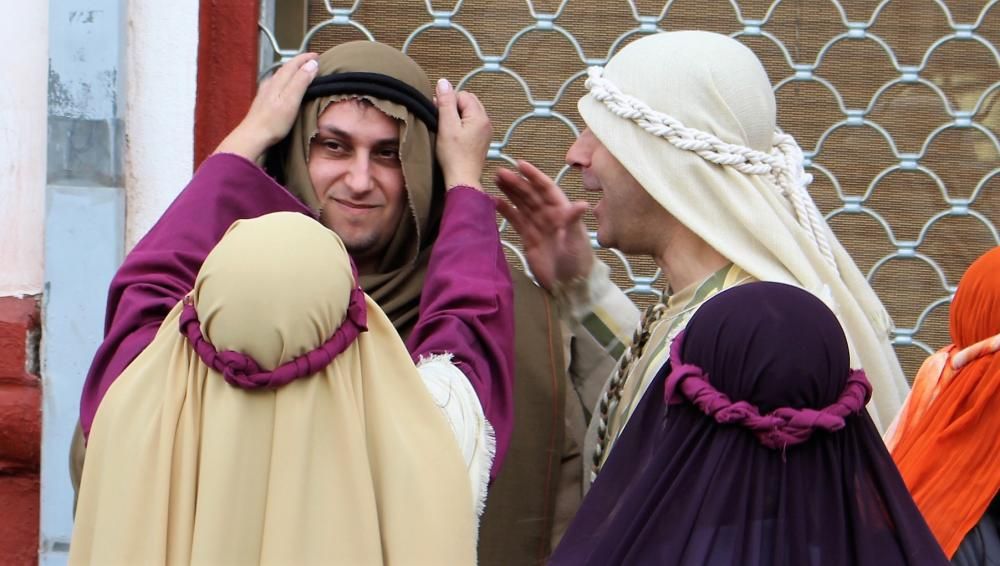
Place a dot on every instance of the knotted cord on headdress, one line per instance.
(779, 428)
(784, 163)
(243, 371)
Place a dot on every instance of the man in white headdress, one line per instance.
(682, 142)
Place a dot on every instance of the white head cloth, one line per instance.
(691, 115)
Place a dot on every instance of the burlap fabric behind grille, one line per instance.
(897, 223)
(856, 157)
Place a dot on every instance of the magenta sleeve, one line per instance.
(162, 267)
(467, 307)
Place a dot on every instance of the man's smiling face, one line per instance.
(356, 172)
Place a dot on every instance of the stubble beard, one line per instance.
(362, 247)
(359, 246)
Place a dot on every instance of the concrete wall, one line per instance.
(161, 64)
(22, 206)
(134, 92)
(22, 148)
(68, 135)
(96, 139)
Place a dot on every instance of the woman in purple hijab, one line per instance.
(752, 447)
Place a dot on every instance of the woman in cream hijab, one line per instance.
(265, 425)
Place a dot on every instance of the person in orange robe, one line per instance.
(946, 440)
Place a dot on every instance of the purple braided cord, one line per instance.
(243, 371)
(781, 427)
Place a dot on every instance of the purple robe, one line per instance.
(466, 308)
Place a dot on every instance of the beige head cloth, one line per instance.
(691, 115)
(351, 465)
(397, 283)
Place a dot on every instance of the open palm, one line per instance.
(555, 240)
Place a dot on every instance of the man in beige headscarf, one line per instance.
(525, 515)
(331, 151)
(370, 154)
(682, 142)
(357, 147)
(539, 424)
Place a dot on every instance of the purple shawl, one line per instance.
(683, 487)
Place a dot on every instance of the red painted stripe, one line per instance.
(20, 432)
(227, 70)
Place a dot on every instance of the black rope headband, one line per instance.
(379, 86)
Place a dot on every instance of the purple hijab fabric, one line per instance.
(682, 488)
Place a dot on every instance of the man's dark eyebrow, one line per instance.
(335, 131)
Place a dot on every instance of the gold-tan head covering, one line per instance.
(673, 91)
(397, 283)
(351, 465)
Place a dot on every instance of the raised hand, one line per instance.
(463, 138)
(555, 240)
(273, 110)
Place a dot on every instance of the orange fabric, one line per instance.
(947, 440)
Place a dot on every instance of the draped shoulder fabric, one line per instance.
(349, 465)
(682, 487)
(397, 283)
(716, 85)
(947, 438)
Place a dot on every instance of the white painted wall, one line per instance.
(23, 123)
(161, 78)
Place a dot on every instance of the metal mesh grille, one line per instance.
(894, 103)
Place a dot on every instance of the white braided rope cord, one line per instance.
(784, 163)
